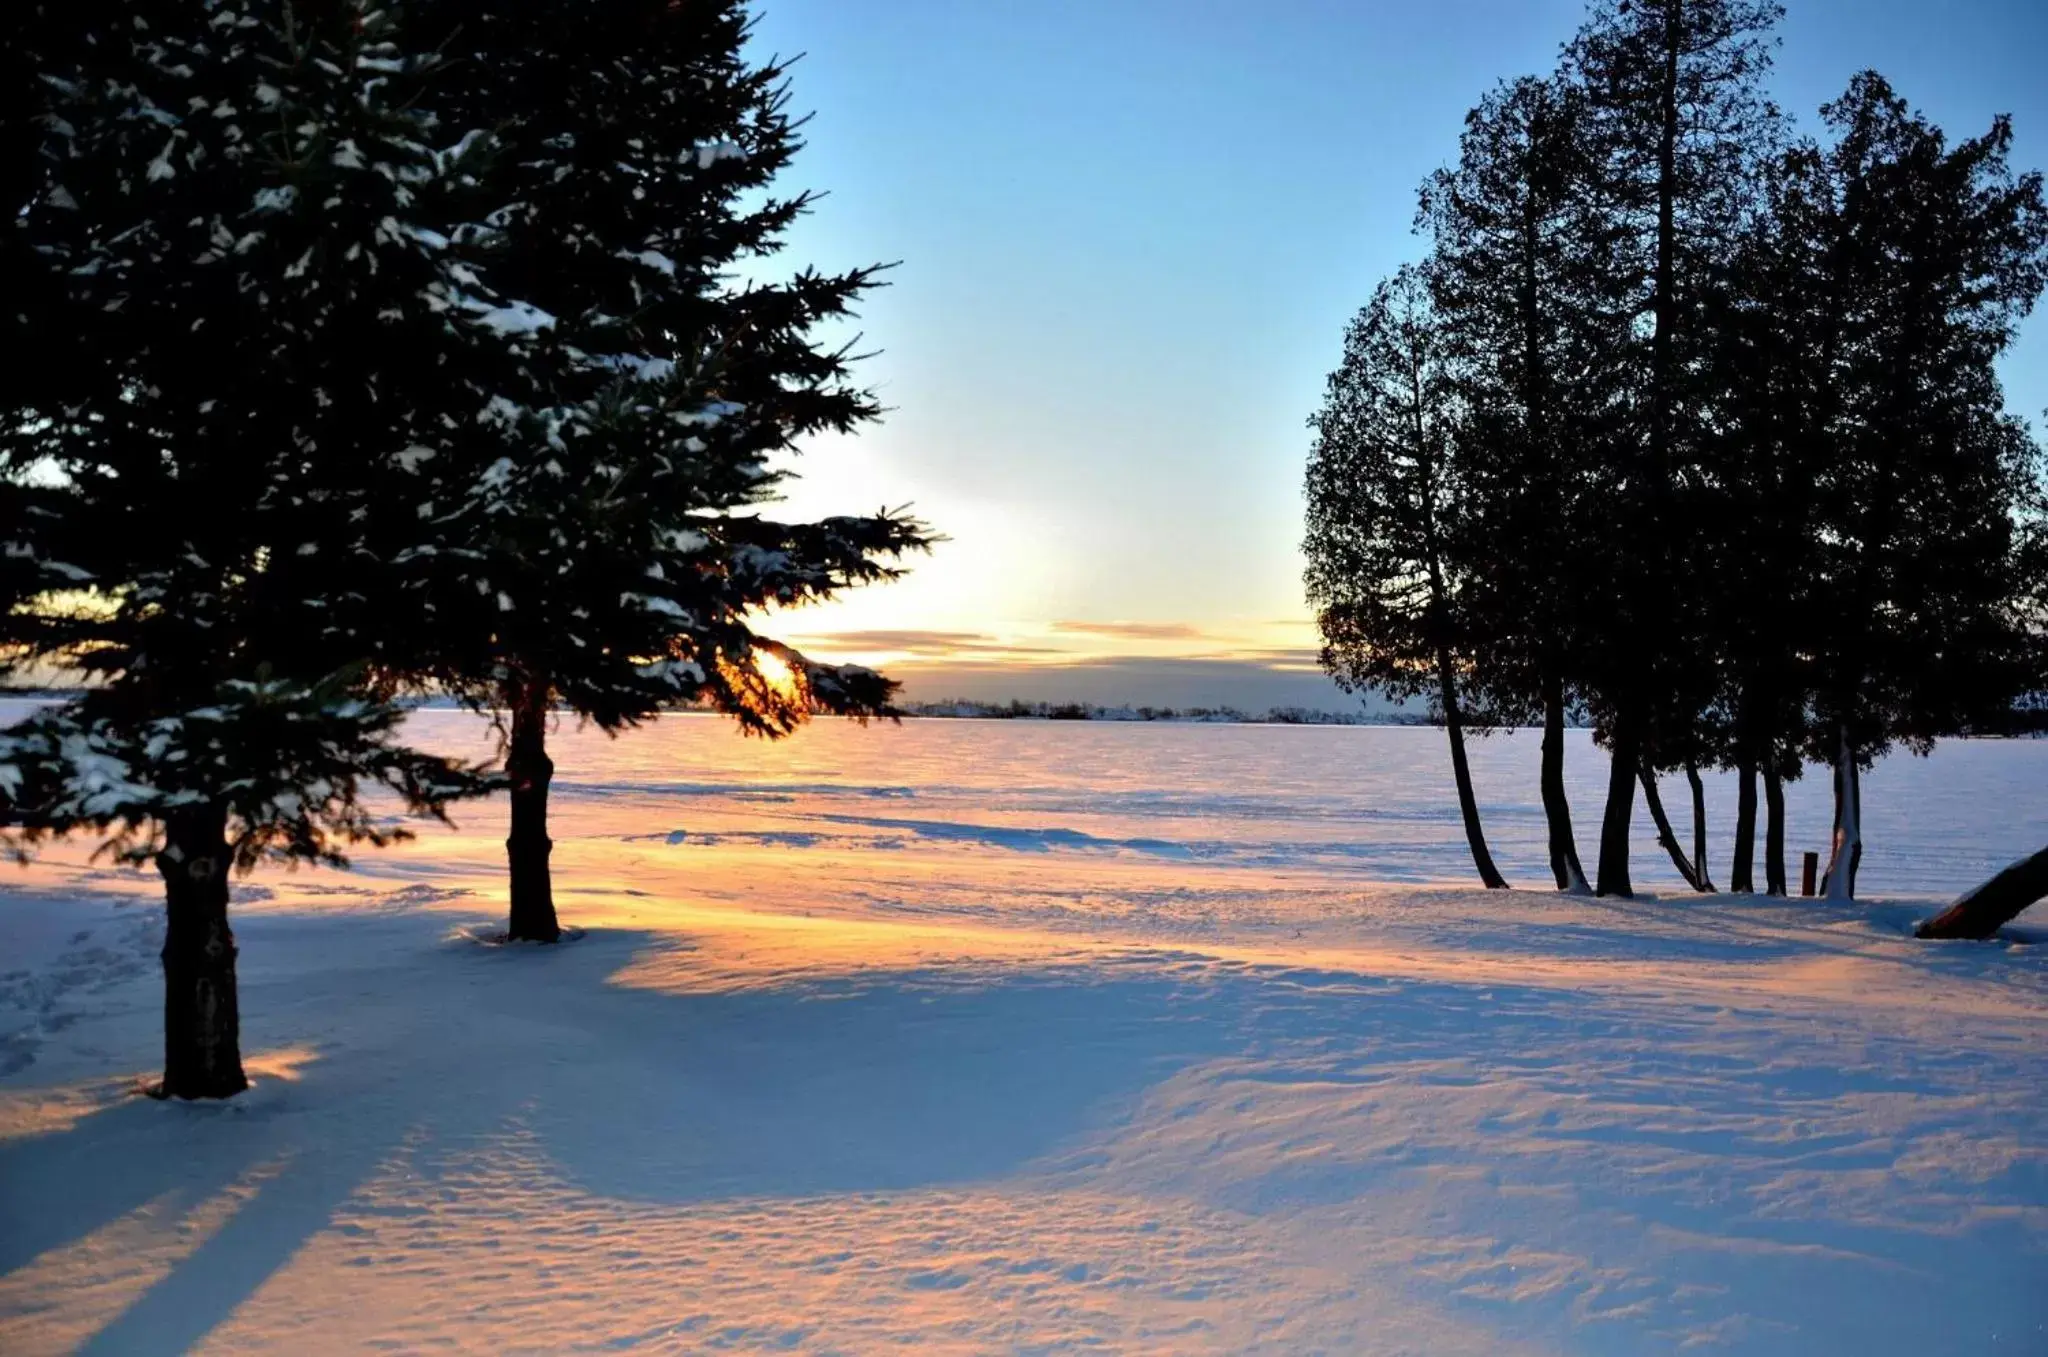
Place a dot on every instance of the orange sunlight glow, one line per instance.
(771, 693)
(777, 674)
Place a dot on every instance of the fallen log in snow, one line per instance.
(1994, 904)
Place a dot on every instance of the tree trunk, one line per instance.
(1848, 843)
(1742, 873)
(1704, 883)
(1665, 835)
(1557, 809)
(202, 1019)
(1774, 832)
(1621, 809)
(1996, 903)
(1468, 805)
(1856, 804)
(529, 770)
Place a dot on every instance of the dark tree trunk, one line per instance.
(1665, 835)
(1468, 805)
(1742, 873)
(1774, 832)
(1996, 903)
(529, 769)
(1565, 868)
(202, 1020)
(1703, 882)
(1621, 809)
(1557, 809)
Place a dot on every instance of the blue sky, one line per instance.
(1131, 232)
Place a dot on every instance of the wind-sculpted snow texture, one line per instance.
(1038, 1036)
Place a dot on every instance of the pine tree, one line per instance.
(1385, 492)
(1518, 271)
(604, 549)
(1678, 122)
(227, 230)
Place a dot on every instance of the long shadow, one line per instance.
(898, 1083)
(297, 1149)
(291, 1203)
(58, 1187)
(883, 1082)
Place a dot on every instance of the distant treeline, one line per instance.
(970, 709)
(1014, 710)
(1692, 424)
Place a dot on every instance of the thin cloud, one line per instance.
(1276, 657)
(928, 644)
(1132, 631)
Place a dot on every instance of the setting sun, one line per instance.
(777, 674)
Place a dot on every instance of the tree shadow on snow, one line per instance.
(887, 1082)
(891, 1083)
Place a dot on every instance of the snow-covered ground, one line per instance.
(994, 1037)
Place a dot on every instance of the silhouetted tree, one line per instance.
(1773, 340)
(1675, 113)
(1931, 254)
(1518, 270)
(1725, 455)
(1384, 497)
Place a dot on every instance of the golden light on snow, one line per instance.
(45, 1110)
(67, 1296)
(285, 1064)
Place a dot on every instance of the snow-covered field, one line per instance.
(984, 1037)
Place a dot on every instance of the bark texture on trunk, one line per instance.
(1621, 809)
(1468, 804)
(1703, 882)
(527, 848)
(1996, 903)
(1847, 853)
(1557, 808)
(1742, 872)
(1665, 835)
(202, 1019)
(1774, 832)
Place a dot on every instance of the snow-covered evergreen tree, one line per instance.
(235, 225)
(607, 551)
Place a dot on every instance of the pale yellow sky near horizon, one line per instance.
(1254, 664)
(1017, 602)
